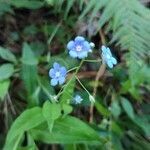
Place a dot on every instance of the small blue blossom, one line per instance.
(79, 48)
(107, 57)
(58, 74)
(77, 99)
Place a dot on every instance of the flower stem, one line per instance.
(72, 69)
(98, 76)
(94, 61)
(77, 69)
(82, 85)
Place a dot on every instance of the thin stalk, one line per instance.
(82, 85)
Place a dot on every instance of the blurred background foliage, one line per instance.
(33, 35)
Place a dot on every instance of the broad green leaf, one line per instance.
(30, 4)
(4, 85)
(26, 121)
(104, 111)
(70, 146)
(6, 71)
(51, 112)
(28, 57)
(68, 130)
(68, 91)
(115, 128)
(47, 89)
(14, 143)
(127, 107)
(5, 7)
(143, 123)
(115, 108)
(29, 76)
(67, 109)
(31, 143)
(116, 142)
(29, 72)
(50, 2)
(7, 55)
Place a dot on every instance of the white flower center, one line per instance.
(78, 48)
(57, 74)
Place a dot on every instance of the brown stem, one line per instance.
(98, 76)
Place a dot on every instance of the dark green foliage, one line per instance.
(34, 35)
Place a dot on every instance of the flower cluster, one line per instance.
(79, 48)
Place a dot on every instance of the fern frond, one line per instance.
(130, 22)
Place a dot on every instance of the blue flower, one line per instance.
(77, 99)
(79, 48)
(58, 74)
(107, 57)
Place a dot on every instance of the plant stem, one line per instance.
(72, 69)
(98, 60)
(82, 85)
(98, 76)
(60, 92)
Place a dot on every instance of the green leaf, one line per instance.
(29, 72)
(143, 123)
(68, 130)
(104, 111)
(4, 85)
(68, 7)
(26, 121)
(6, 71)
(34, 4)
(14, 143)
(5, 7)
(7, 55)
(115, 128)
(29, 76)
(51, 112)
(50, 2)
(115, 109)
(68, 91)
(47, 89)
(127, 107)
(28, 56)
(67, 109)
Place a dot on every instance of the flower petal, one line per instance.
(108, 51)
(86, 46)
(63, 71)
(61, 80)
(104, 49)
(79, 39)
(82, 54)
(78, 99)
(114, 61)
(73, 54)
(52, 73)
(54, 82)
(110, 64)
(56, 66)
(70, 45)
